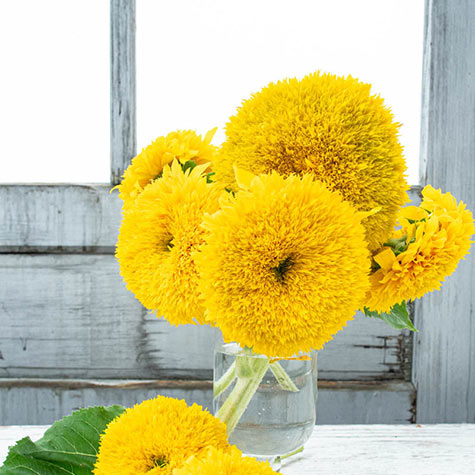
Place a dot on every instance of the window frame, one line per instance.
(83, 219)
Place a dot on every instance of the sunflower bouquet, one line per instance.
(296, 222)
(277, 238)
(280, 235)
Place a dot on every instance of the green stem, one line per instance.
(283, 378)
(295, 452)
(225, 381)
(250, 372)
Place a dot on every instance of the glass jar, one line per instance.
(269, 406)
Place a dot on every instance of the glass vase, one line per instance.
(269, 406)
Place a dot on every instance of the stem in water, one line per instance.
(250, 372)
(225, 381)
(283, 378)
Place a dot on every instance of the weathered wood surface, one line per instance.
(444, 365)
(64, 218)
(123, 94)
(42, 401)
(58, 218)
(390, 450)
(71, 316)
(367, 450)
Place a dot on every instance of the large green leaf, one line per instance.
(69, 446)
(398, 317)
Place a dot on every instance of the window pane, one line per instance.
(54, 91)
(196, 61)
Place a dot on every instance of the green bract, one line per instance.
(398, 317)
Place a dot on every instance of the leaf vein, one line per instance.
(80, 435)
(68, 442)
(28, 468)
(89, 424)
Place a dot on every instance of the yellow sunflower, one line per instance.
(148, 165)
(330, 126)
(157, 436)
(217, 462)
(285, 264)
(157, 236)
(423, 252)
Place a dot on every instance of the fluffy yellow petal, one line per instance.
(385, 259)
(156, 437)
(285, 265)
(434, 237)
(148, 164)
(216, 462)
(158, 234)
(330, 126)
(243, 177)
(413, 213)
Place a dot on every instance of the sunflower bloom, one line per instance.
(216, 462)
(157, 236)
(285, 265)
(148, 164)
(423, 252)
(157, 436)
(329, 126)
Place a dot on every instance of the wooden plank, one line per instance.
(58, 218)
(43, 401)
(123, 97)
(366, 349)
(71, 316)
(444, 366)
(65, 316)
(64, 218)
(365, 402)
(392, 450)
(356, 449)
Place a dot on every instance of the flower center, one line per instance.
(169, 244)
(158, 461)
(282, 268)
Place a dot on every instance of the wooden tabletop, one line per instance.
(447, 449)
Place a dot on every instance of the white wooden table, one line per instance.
(447, 449)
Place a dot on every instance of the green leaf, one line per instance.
(398, 317)
(69, 446)
(208, 177)
(189, 164)
(371, 313)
